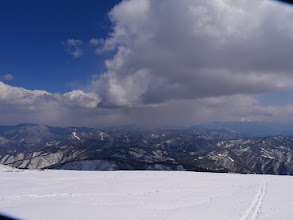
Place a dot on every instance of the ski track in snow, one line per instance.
(252, 211)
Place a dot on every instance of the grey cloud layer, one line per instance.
(77, 108)
(174, 50)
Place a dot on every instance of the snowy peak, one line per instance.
(75, 136)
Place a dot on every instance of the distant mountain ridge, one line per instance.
(251, 128)
(32, 146)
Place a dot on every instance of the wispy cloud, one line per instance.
(97, 44)
(7, 77)
(73, 47)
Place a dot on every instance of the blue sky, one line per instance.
(153, 63)
(32, 33)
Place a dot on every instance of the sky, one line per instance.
(33, 38)
(148, 63)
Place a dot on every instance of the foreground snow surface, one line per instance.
(143, 195)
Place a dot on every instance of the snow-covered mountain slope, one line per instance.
(49, 194)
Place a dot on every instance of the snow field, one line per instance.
(50, 194)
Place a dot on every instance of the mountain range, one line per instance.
(33, 146)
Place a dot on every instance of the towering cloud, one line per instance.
(181, 50)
